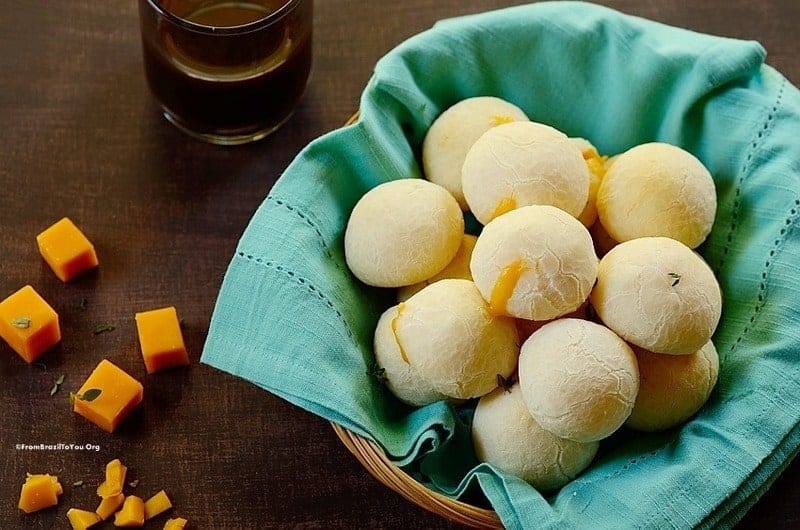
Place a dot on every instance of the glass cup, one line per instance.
(228, 72)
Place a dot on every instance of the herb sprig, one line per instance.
(57, 383)
(102, 328)
(21, 322)
(89, 395)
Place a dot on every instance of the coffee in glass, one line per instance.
(228, 72)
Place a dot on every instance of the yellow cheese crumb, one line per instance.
(109, 505)
(132, 512)
(39, 492)
(115, 479)
(82, 519)
(175, 524)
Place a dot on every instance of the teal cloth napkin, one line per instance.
(291, 319)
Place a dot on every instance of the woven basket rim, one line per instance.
(375, 461)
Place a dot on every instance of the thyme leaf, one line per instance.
(101, 328)
(57, 383)
(89, 395)
(21, 322)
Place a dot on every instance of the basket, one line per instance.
(379, 466)
(739, 115)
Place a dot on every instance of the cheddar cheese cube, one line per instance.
(119, 393)
(161, 339)
(178, 523)
(131, 513)
(66, 250)
(39, 492)
(28, 324)
(158, 503)
(82, 519)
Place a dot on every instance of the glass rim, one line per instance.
(224, 30)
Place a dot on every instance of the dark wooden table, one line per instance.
(82, 137)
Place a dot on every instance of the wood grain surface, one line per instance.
(82, 137)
